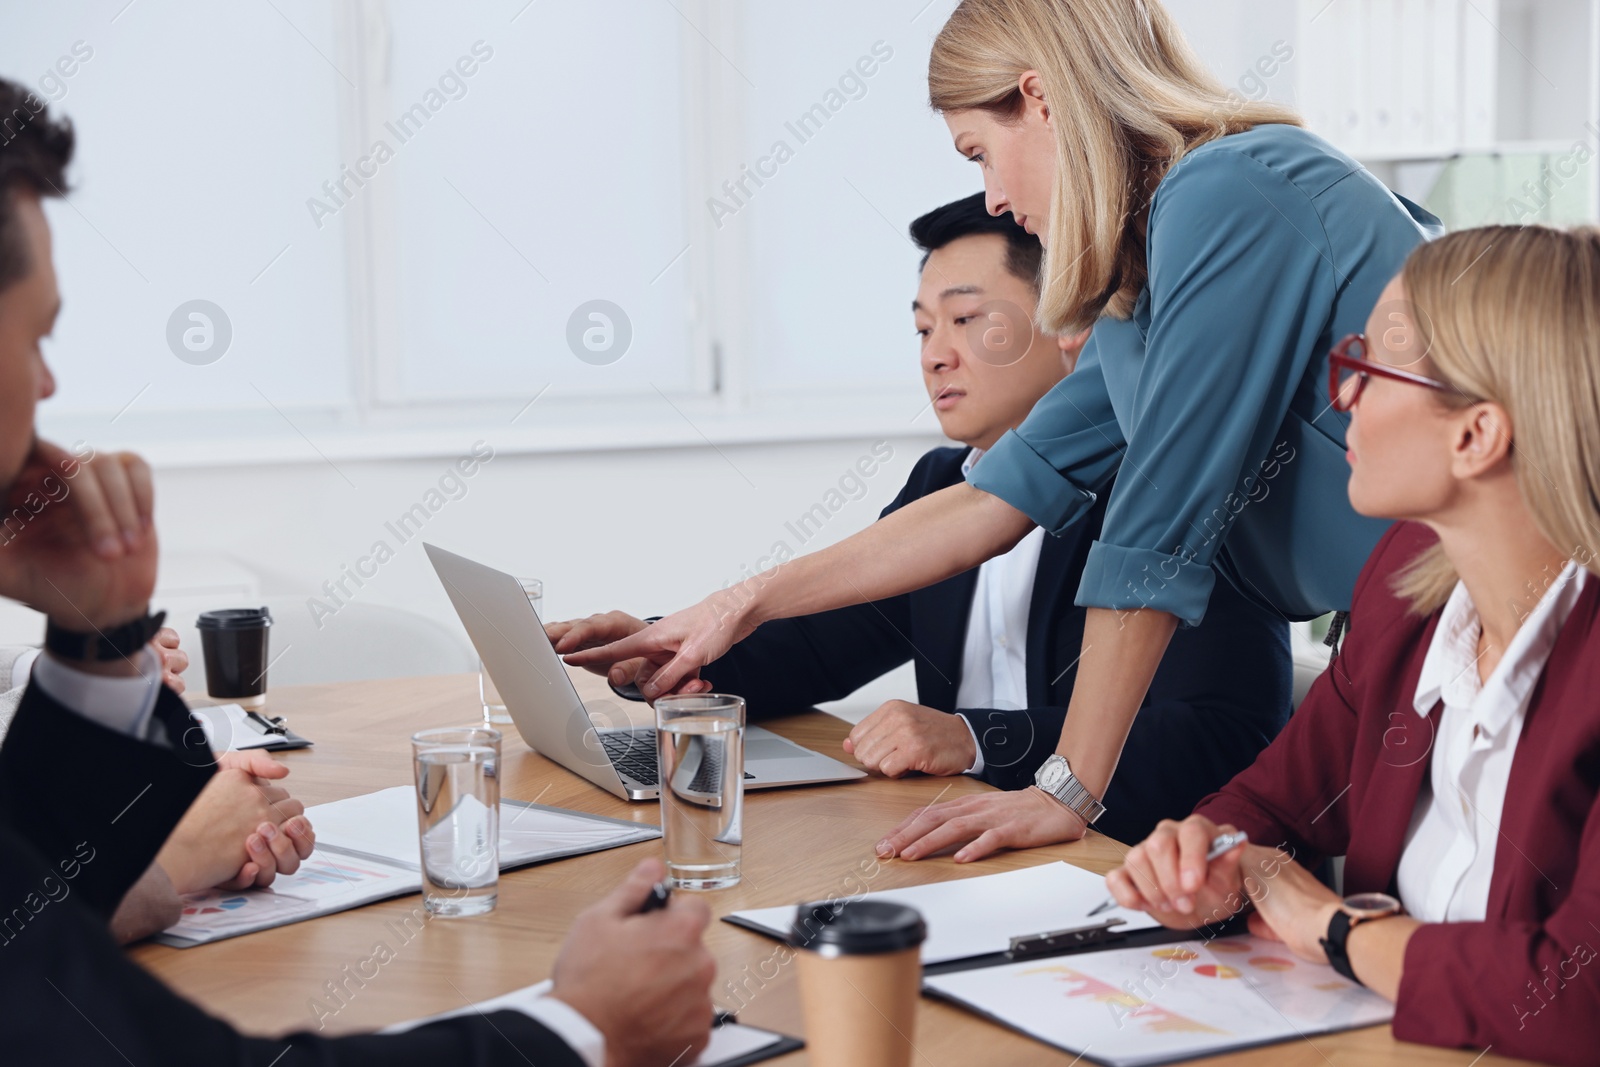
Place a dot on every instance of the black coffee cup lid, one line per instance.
(860, 927)
(234, 619)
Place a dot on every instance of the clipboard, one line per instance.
(246, 730)
(1151, 997)
(1093, 937)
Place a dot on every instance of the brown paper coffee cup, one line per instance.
(860, 969)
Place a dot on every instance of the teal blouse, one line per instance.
(1209, 405)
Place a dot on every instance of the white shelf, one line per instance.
(1434, 154)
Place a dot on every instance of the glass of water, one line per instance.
(700, 743)
(458, 818)
(494, 708)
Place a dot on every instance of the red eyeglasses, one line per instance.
(1349, 371)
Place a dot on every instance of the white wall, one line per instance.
(644, 531)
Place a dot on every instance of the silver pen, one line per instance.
(1219, 844)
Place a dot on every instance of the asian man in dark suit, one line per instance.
(102, 760)
(998, 645)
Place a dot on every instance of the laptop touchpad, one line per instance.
(771, 748)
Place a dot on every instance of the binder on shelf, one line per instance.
(1445, 36)
(1480, 72)
(1316, 75)
(1345, 33)
(1416, 56)
(1385, 56)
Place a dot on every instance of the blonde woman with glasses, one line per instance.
(1452, 754)
(1219, 250)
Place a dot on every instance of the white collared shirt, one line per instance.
(994, 660)
(1449, 851)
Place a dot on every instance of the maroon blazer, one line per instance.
(1343, 778)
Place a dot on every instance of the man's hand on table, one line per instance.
(644, 981)
(901, 737)
(241, 831)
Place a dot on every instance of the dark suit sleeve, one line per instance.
(791, 665)
(91, 799)
(83, 811)
(1014, 743)
(71, 996)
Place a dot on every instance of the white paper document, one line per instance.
(383, 825)
(1130, 1007)
(731, 1041)
(367, 850)
(977, 916)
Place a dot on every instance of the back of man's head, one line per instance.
(969, 216)
(35, 150)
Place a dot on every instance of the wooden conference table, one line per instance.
(799, 844)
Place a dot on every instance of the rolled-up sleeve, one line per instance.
(1241, 287)
(1053, 465)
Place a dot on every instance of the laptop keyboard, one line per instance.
(634, 754)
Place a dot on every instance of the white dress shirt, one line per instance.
(1449, 851)
(126, 705)
(994, 660)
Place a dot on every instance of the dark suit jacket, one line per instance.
(1223, 691)
(83, 811)
(1343, 779)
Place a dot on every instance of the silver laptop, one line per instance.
(594, 739)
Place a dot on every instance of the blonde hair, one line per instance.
(1128, 99)
(1511, 314)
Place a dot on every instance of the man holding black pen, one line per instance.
(102, 760)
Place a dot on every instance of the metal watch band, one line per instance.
(1080, 800)
(1074, 795)
(118, 642)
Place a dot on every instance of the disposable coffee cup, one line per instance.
(234, 643)
(860, 967)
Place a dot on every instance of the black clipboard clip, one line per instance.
(1056, 942)
(275, 725)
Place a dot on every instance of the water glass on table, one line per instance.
(700, 745)
(494, 708)
(458, 818)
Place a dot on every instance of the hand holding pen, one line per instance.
(1185, 874)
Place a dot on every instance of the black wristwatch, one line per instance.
(119, 642)
(1363, 907)
(631, 690)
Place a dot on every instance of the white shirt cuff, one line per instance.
(21, 666)
(977, 763)
(120, 704)
(567, 1023)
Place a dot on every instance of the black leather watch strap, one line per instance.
(1334, 945)
(118, 642)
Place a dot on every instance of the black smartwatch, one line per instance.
(118, 642)
(1355, 910)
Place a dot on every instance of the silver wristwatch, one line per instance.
(1057, 779)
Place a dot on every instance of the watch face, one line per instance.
(1371, 905)
(1052, 774)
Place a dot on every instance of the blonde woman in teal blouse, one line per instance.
(1219, 250)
